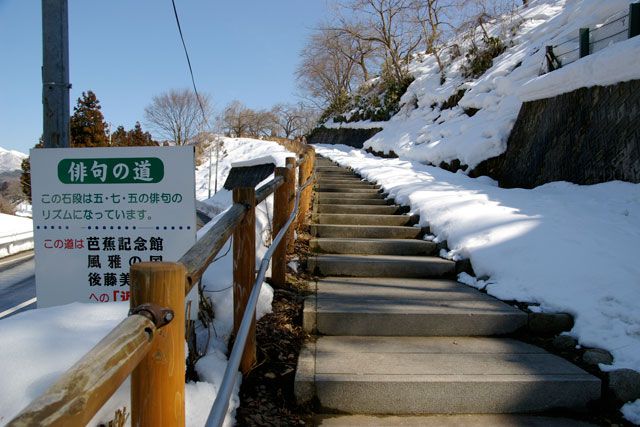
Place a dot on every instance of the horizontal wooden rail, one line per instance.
(267, 189)
(75, 398)
(198, 258)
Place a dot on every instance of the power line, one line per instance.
(186, 52)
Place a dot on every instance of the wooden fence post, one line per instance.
(244, 270)
(290, 190)
(306, 169)
(280, 216)
(157, 383)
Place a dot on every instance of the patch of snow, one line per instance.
(565, 247)
(631, 412)
(255, 162)
(235, 151)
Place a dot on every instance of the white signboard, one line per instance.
(97, 211)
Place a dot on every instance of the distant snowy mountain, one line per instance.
(10, 160)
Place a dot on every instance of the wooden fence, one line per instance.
(149, 344)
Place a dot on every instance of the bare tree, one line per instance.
(178, 114)
(235, 121)
(262, 123)
(294, 120)
(387, 26)
(239, 120)
(434, 20)
(355, 49)
(325, 73)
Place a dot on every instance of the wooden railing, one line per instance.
(149, 344)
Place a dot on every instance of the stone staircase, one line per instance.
(396, 335)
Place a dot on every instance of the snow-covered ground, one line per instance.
(560, 247)
(32, 358)
(16, 234)
(430, 134)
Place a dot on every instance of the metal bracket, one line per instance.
(160, 316)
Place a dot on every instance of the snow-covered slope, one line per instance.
(10, 160)
(430, 134)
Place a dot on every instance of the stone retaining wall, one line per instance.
(351, 137)
(587, 136)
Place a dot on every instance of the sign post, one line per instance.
(97, 211)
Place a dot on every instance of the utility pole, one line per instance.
(55, 73)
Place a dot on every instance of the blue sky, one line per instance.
(126, 51)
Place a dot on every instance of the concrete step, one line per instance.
(342, 186)
(323, 195)
(406, 307)
(365, 232)
(354, 189)
(364, 219)
(353, 201)
(380, 266)
(331, 168)
(347, 187)
(446, 375)
(476, 420)
(337, 173)
(372, 246)
(325, 208)
(346, 180)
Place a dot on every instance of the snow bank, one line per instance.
(617, 63)
(429, 134)
(32, 358)
(16, 234)
(239, 151)
(562, 247)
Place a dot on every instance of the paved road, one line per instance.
(17, 284)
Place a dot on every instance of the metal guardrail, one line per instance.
(9, 240)
(621, 26)
(221, 403)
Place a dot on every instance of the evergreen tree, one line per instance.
(119, 138)
(25, 177)
(135, 137)
(87, 127)
(138, 137)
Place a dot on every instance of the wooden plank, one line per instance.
(244, 274)
(157, 383)
(80, 392)
(248, 176)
